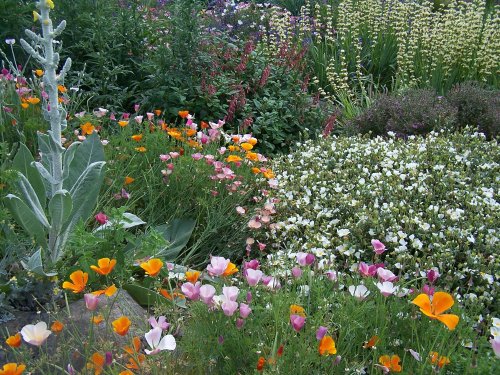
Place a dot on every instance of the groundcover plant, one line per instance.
(195, 252)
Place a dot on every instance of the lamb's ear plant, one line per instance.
(61, 189)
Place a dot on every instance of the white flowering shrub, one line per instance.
(433, 201)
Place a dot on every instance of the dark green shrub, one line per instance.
(416, 111)
(477, 106)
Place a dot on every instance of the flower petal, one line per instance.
(167, 343)
(450, 320)
(423, 301)
(441, 301)
(153, 337)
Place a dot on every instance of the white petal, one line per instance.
(153, 337)
(167, 343)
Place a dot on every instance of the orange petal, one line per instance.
(423, 301)
(450, 320)
(385, 360)
(441, 301)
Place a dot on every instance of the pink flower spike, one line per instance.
(192, 291)
(245, 310)
(378, 247)
(91, 301)
(296, 272)
(161, 322)
(297, 322)
(217, 266)
(207, 293)
(321, 332)
(253, 276)
(101, 218)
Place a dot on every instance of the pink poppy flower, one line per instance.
(157, 343)
(332, 275)
(429, 290)
(197, 156)
(387, 288)
(367, 270)
(217, 265)
(207, 293)
(386, 275)
(321, 332)
(164, 157)
(378, 247)
(150, 115)
(432, 275)
(254, 223)
(296, 272)
(161, 322)
(240, 323)
(91, 301)
(297, 322)
(229, 307)
(101, 218)
(191, 291)
(253, 276)
(305, 259)
(245, 310)
(230, 292)
(138, 119)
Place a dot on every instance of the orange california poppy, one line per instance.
(105, 266)
(57, 327)
(192, 276)
(134, 354)
(233, 148)
(128, 180)
(96, 363)
(25, 105)
(268, 173)
(190, 132)
(183, 114)
(252, 141)
(123, 123)
(441, 301)
(140, 149)
(327, 346)
(14, 341)
(39, 72)
(157, 112)
(204, 125)
(137, 137)
(152, 266)
(61, 88)
(253, 156)
(230, 269)
(255, 170)
(87, 128)
(297, 310)
(33, 100)
(233, 159)
(260, 364)
(109, 291)
(371, 343)
(12, 369)
(79, 279)
(392, 363)
(438, 360)
(121, 325)
(126, 372)
(166, 294)
(246, 146)
(97, 319)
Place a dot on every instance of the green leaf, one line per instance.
(23, 163)
(177, 233)
(128, 220)
(60, 207)
(88, 152)
(84, 196)
(26, 218)
(35, 264)
(68, 156)
(147, 297)
(31, 199)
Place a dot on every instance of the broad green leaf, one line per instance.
(68, 158)
(147, 297)
(177, 233)
(46, 156)
(44, 173)
(128, 221)
(60, 207)
(84, 196)
(23, 163)
(89, 151)
(34, 264)
(31, 199)
(26, 218)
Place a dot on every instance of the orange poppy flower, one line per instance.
(255, 170)
(33, 100)
(193, 143)
(12, 369)
(137, 137)
(204, 125)
(297, 310)
(140, 149)
(192, 276)
(392, 363)
(14, 341)
(97, 319)
(190, 132)
(166, 294)
(246, 146)
(230, 269)
(87, 128)
(253, 157)
(252, 141)
(268, 173)
(260, 363)
(25, 105)
(61, 88)
(121, 325)
(126, 372)
(105, 266)
(57, 327)
(96, 363)
(371, 343)
(79, 283)
(438, 360)
(233, 159)
(441, 301)
(327, 346)
(134, 354)
(128, 180)
(157, 112)
(109, 291)
(39, 72)
(123, 123)
(234, 148)
(183, 114)
(152, 266)
(235, 139)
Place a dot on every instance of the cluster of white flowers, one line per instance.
(433, 201)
